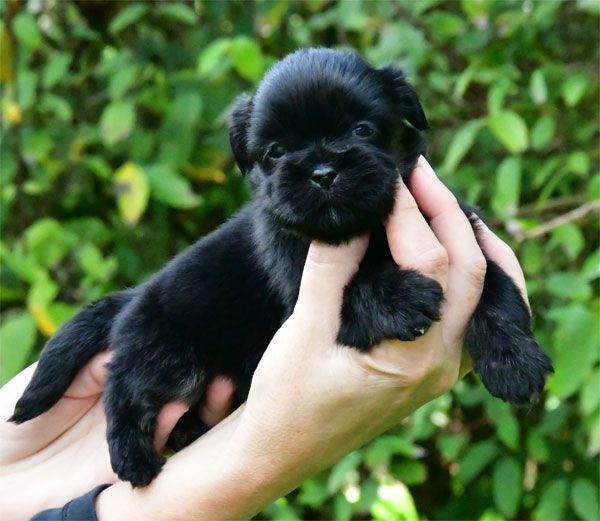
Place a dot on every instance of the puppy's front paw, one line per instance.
(511, 365)
(413, 312)
(397, 304)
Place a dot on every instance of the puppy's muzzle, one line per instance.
(323, 176)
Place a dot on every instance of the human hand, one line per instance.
(312, 400)
(63, 453)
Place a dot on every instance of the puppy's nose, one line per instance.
(323, 175)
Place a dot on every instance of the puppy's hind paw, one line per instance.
(139, 472)
(133, 458)
(519, 378)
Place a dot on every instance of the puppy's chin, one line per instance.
(329, 223)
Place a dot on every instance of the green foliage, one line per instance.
(114, 156)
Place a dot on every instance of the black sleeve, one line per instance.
(79, 509)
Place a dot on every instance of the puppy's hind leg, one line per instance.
(141, 381)
(505, 354)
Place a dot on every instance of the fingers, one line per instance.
(327, 271)
(166, 420)
(500, 252)
(467, 264)
(218, 401)
(79, 399)
(90, 380)
(412, 242)
(217, 406)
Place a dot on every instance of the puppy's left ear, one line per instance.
(239, 121)
(404, 95)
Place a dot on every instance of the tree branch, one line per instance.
(521, 235)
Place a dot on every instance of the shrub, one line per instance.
(114, 157)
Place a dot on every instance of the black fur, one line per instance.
(214, 308)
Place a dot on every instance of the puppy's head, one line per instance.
(324, 139)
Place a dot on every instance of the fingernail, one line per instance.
(426, 167)
(479, 224)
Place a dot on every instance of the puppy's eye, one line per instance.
(363, 130)
(275, 151)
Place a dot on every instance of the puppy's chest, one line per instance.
(285, 256)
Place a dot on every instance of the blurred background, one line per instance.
(114, 157)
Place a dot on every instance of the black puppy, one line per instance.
(323, 141)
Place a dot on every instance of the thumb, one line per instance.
(327, 271)
(90, 380)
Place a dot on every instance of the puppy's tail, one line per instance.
(74, 344)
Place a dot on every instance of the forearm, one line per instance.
(237, 470)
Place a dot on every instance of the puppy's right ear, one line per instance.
(239, 121)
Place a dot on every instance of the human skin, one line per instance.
(311, 400)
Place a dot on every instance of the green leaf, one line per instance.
(170, 188)
(409, 472)
(553, 501)
(537, 87)
(94, 264)
(510, 129)
(48, 241)
(381, 450)
(394, 503)
(36, 144)
(247, 58)
(584, 498)
(507, 191)
(498, 92)
(570, 238)
(179, 12)
(42, 292)
(344, 471)
(444, 25)
(591, 266)
(537, 446)
(122, 81)
(55, 69)
(17, 336)
(89, 229)
(574, 88)
(27, 86)
(575, 343)
(212, 59)
(450, 445)
(313, 493)
(479, 456)
(460, 144)
(131, 14)
(578, 162)
(56, 106)
(568, 285)
(24, 266)
(542, 132)
(589, 397)
(117, 122)
(507, 480)
(26, 30)
(133, 190)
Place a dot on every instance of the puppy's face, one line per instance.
(324, 140)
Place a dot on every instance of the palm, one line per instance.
(57, 456)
